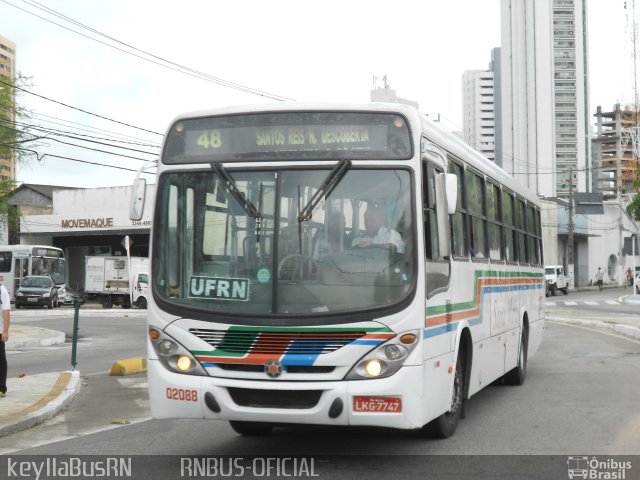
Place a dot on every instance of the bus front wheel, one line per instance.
(446, 424)
(251, 429)
(519, 373)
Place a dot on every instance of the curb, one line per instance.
(60, 396)
(129, 366)
(83, 312)
(627, 331)
(53, 338)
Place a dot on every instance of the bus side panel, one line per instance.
(536, 332)
(438, 380)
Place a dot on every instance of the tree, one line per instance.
(633, 209)
(13, 138)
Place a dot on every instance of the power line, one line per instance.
(42, 157)
(76, 108)
(68, 135)
(167, 63)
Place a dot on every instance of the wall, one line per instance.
(608, 232)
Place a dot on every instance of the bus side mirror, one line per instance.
(136, 206)
(446, 195)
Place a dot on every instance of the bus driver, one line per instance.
(376, 233)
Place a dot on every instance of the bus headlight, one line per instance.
(385, 360)
(172, 355)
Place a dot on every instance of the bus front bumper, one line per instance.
(321, 403)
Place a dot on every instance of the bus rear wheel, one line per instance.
(446, 424)
(251, 429)
(519, 373)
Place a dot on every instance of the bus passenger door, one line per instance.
(21, 270)
(437, 270)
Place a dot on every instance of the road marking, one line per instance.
(590, 303)
(551, 304)
(571, 303)
(612, 302)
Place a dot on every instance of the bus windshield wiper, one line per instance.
(230, 185)
(325, 189)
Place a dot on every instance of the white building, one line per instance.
(528, 147)
(478, 111)
(89, 222)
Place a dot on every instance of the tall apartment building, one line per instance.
(545, 120)
(479, 122)
(528, 148)
(7, 70)
(571, 96)
(614, 160)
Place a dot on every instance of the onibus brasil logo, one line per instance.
(594, 468)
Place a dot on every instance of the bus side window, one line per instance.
(496, 250)
(477, 216)
(509, 227)
(459, 219)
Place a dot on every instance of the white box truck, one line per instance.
(110, 281)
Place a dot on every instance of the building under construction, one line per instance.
(615, 149)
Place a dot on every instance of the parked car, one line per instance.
(67, 296)
(37, 291)
(555, 279)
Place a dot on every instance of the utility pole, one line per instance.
(570, 241)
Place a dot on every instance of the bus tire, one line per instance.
(142, 303)
(518, 374)
(251, 429)
(446, 424)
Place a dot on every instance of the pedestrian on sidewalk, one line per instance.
(599, 277)
(5, 300)
(629, 278)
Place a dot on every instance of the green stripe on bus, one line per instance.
(442, 309)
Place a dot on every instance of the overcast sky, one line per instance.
(315, 50)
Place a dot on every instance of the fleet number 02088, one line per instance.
(183, 394)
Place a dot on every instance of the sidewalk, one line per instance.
(33, 399)
(620, 324)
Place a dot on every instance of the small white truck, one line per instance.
(110, 281)
(555, 279)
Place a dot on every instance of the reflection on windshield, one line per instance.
(53, 267)
(36, 282)
(353, 253)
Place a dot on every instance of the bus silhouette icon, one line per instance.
(578, 467)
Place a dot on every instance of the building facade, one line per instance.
(615, 163)
(479, 110)
(571, 96)
(528, 147)
(7, 72)
(89, 222)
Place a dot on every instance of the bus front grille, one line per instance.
(254, 398)
(276, 343)
(240, 367)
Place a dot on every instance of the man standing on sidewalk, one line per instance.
(6, 313)
(599, 277)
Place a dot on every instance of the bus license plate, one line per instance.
(377, 404)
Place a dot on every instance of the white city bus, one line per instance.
(335, 265)
(19, 261)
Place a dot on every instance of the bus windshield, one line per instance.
(53, 267)
(237, 243)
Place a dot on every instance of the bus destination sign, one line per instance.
(310, 135)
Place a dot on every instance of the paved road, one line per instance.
(580, 397)
(102, 340)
